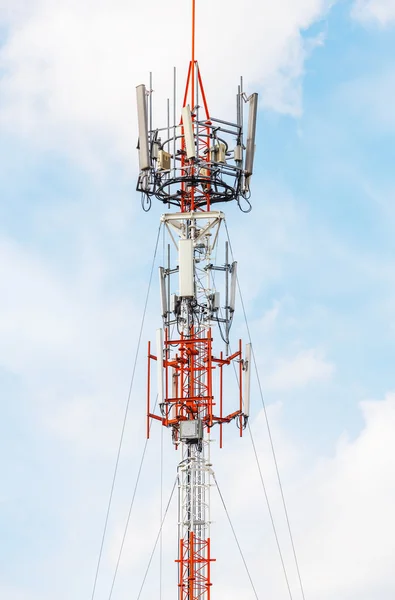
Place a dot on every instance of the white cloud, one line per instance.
(70, 69)
(69, 341)
(299, 371)
(340, 509)
(45, 315)
(355, 494)
(269, 318)
(381, 12)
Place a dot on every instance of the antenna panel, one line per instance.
(144, 160)
(188, 132)
(250, 152)
(247, 380)
(233, 282)
(159, 363)
(162, 287)
(186, 271)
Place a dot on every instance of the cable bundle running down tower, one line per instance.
(192, 165)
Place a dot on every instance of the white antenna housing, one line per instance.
(233, 282)
(159, 363)
(186, 270)
(188, 132)
(247, 380)
(162, 286)
(144, 161)
(173, 382)
(250, 152)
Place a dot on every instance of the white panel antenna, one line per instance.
(188, 132)
(173, 382)
(159, 363)
(250, 152)
(186, 271)
(247, 380)
(233, 282)
(142, 116)
(162, 287)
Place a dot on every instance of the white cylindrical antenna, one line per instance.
(247, 380)
(159, 363)
(250, 152)
(233, 282)
(142, 117)
(188, 132)
(173, 382)
(186, 270)
(163, 295)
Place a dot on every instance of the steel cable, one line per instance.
(157, 538)
(235, 536)
(127, 521)
(124, 420)
(267, 500)
(130, 510)
(270, 514)
(269, 434)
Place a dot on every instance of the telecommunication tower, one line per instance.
(191, 165)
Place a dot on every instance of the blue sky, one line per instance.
(316, 266)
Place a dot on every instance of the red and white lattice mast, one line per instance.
(193, 165)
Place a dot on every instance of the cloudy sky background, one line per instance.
(316, 266)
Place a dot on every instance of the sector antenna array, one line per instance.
(199, 160)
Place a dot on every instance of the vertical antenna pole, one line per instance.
(227, 328)
(241, 102)
(150, 108)
(168, 137)
(193, 55)
(196, 74)
(241, 390)
(168, 118)
(238, 106)
(168, 286)
(148, 388)
(220, 399)
(174, 118)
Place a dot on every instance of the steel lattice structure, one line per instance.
(192, 165)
